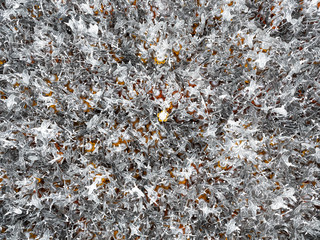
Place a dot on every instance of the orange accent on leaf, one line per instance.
(204, 197)
(48, 94)
(257, 105)
(120, 141)
(68, 87)
(92, 148)
(32, 235)
(144, 60)
(88, 106)
(39, 179)
(54, 107)
(184, 182)
(194, 27)
(159, 62)
(194, 166)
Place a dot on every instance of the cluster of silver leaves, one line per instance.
(83, 154)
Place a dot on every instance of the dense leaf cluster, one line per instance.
(85, 155)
